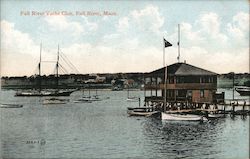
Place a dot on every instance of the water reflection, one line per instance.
(182, 139)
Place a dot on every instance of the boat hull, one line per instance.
(243, 93)
(132, 99)
(11, 106)
(55, 101)
(214, 116)
(137, 113)
(181, 117)
(39, 94)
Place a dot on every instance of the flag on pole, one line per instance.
(167, 44)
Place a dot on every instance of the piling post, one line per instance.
(233, 109)
(233, 85)
(139, 101)
(243, 108)
(206, 114)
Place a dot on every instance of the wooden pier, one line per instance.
(234, 107)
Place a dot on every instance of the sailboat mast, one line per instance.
(128, 91)
(39, 68)
(178, 58)
(57, 67)
(89, 90)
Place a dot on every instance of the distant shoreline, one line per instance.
(90, 81)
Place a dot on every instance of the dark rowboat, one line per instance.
(243, 91)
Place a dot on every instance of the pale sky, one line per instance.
(214, 35)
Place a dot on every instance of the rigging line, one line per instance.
(70, 62)
(66, 69)
(67, 63)
(63, 71)
(61, 67)
(66, 60)
(72, 68)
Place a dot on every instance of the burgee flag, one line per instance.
(167, 44)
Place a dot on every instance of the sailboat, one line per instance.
(129, 98)
(182, 117)
(88, 98)
(84, 99)
(41, 92)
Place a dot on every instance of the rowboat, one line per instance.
(141, 111)
(214, 116)
(11, 105)
(55, 101)
(132, 99)
(136, 113)
(82, 100)
(243, 91)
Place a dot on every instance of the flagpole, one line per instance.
(163, 52)
(178, 43)
(165, 44)
(165, 88)
(165, 78)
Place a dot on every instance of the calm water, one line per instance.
(103, 130)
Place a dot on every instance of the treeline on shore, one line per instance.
(102, 81)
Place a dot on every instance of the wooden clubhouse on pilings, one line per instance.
(187, 86)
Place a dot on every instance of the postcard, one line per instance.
(124, 79)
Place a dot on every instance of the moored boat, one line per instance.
(39, 91)
(243, 91)
(141, 111)
(129, 98)
(182, 117)
(55, 101)
(89, 99)
(44, 93)
(11, 105)
(82, 100)
(214, 116)
(136, 113)
(132, 99)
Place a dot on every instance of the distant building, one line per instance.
(100, 79)
(185, 83)
(94, 78)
